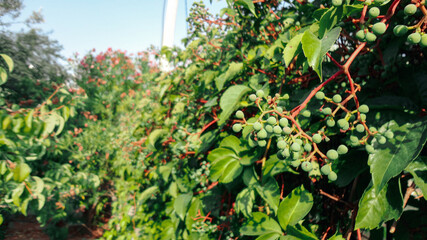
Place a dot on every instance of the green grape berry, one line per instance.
(257, 126)
(283, 122)
(306, 113)
(295, 147)
(281, 144)
(379, 28)
(271, 120)
(337, 98)
(382, 140)
(327, 111)
(332, 154)
(342, 149)
(332, 176)
(360, 35)
(363, 116)
(240, 115)
(389, 134)
(330, 122)
(287, 130)
(269, 128)
(400, 30)
(320, 95)
(363, 108)
(317, 138)
(410, 9)
(237, 127)
(260, 93)
(262, 133)
(360, 128)
(277, 129)
(370, 37)
(414, 38)
(374, 12)
(299, 141)
(343, 124)
(296, 155)
(295, 163)
(279, 109)
(286, 152)
(369, 149)
(252, 97)
(423, 42)
(262, 143)
(306, 166)
(373, 129)
(325, 169)
(308, 147)
(337, 3)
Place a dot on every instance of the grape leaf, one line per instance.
(295, 207)
(260, 224)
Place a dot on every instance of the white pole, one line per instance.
(169, 21)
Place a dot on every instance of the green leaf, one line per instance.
(195, 208)
(269, 236)
(311, 46)
(391, 158)
(337, 237)
(329, 19)
(181, 204)
(295, 207)
(3, 76)
(232, 71)
(270, 192)
(41, 199)
(21, 172)
(1, 219)
(274, 166)
(376, 207)
(155, 136)
(147, 193)
(292, 49)
(39, 184)
(260, 224)
(16, 194)
(219, 154)
(24, 206)
(418, 169)
(8, 61)
(245, 201)
(233, 143)
(300, 232)
(230, 100)
(248, 4)
(329, 40)
(231, 171)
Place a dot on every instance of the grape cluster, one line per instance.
(201, 175)
(204, 227)
(296, 147)
(417, 36)
(376, 29)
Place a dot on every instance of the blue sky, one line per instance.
(132, 25)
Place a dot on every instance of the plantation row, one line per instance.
(280, 120)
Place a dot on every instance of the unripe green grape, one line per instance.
(360, 128)
(330, 122)
(317, 138)
(279, 109)
(237, 127)
(271, 120)
(240, 115)
(343, 124)
(281, 144)
(337, 3)
(337, 98)
(423, 42)
(286, 96)
(369, 149)
(410, 9)
(332, 154)
(414, 38)
(332, 176)
(260, 93)
(295, 147)
(262, 143)
(308, 147)
(295, 163)
(296, 155)
(389, 134)
(277, 129)
(287, 130)
(370, 37)
(320, 95)
(283, 122)
(400, 30)
(326, 169)
(262, 133)
(363, 116)
(286, 152)
(306, 113)
(360, 35)
(269, 128)
(373, 129)
(342, 149)
(354, 138)
(327, 111)
(280, 155)
(252, 97)
(299, 141)
(379, 28)
(257, 126)
(382, 140)
(306, 166)
(364, 108)
(374, 12)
